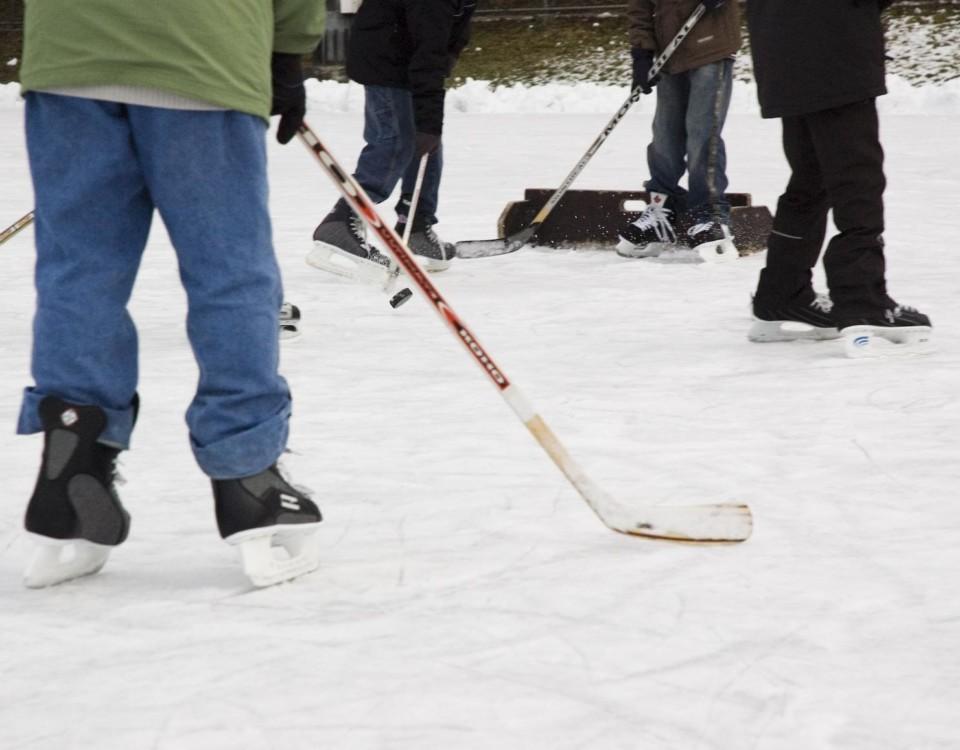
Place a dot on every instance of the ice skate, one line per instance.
(897, 330)
(712, 241)
(289, 321)
(430, 251)
(652, 233)
(807, 317)
(74, 513)
(340, 247)
(271, 522)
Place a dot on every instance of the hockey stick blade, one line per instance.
(690, 523)
(490, 248)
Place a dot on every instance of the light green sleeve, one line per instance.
(298, 25)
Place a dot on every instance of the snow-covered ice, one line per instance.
(468, 598)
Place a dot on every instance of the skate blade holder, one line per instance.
(275, 554)
(58, 560)
(767, 331)
(863, 342)
(346, 265)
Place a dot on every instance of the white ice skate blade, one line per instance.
(765, 331)
(59, 560)
(861, 342)
(337, 261)
(275, 554)
(718, 251)
(626, 249)
(432, 265)
(289, 331)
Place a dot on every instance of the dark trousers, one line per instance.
(837, 163)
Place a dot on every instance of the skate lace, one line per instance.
(657, 218)
(703, 226)
(822, 302)
(359, 230)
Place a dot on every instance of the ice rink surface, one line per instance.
(468, 598)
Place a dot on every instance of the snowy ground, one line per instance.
(468, 598)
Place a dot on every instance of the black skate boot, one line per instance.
(712, 241)
(896, 329)
(263, 513)
(289, 321)
(653, 232)
(435, 255)
(74, 512)
(807, 316)
(340, 246)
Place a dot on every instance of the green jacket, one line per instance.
(217, 51)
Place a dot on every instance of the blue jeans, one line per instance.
(388, 156)
(99, 171)
(691, 109)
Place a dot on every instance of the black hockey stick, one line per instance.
(21, 223)
(721, 522)
(487, 248)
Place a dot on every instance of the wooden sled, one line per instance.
(592, 218)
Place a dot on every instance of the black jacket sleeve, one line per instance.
(429, 23)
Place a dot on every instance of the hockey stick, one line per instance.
(404, 294)
(696, 523)
(488, 248)
(21, 223)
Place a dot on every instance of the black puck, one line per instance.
(400, 297)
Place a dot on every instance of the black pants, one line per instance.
(837, 163)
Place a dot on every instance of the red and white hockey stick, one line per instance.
(19, 224)
(694, 523)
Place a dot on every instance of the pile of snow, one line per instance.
(480, 97)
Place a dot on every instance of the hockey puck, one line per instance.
(400, 297)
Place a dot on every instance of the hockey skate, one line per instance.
(74, 513)
(271, 522)
(652, 233)
(897, 330)
(430, 251)
(340, 247)
(712, 241)
(806, 317)
(289, 321)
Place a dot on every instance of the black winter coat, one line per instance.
(410, 44)
(811, 55)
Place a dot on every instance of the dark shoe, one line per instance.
(74, 512)
(712, 241)
(897, 329)
(260, 501)
(345, 230)
(896, 316)
(653, 232)
(263, 514)
(340, 246)
(806, 316)
(289, 321)
(75, 496)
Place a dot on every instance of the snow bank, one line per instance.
(479, 97)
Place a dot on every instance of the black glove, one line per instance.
(289, 96)
(642, 62)
(427, 143)
(712, 4)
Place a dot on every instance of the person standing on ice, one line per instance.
(401, 51)
(132, 108)
(819, 66)
(693, 94)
